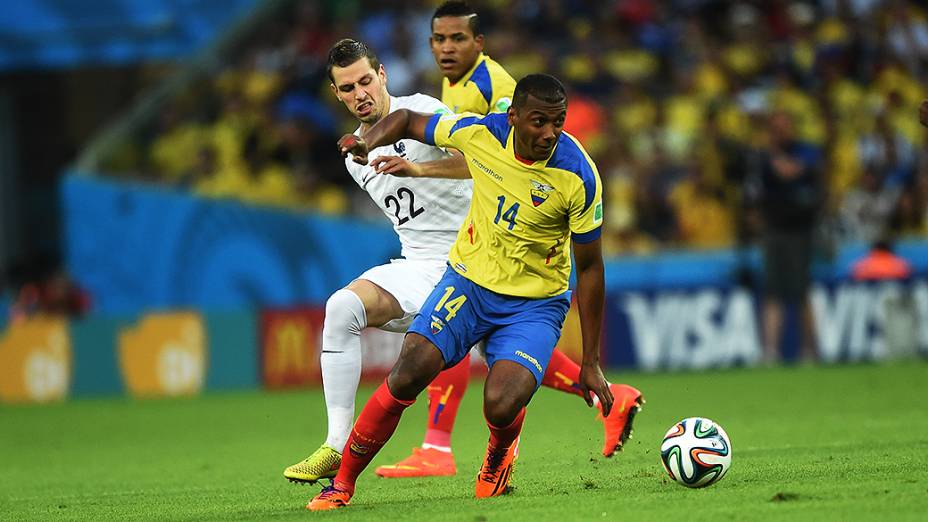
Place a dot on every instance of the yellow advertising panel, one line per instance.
(35, 360)
(164, 355)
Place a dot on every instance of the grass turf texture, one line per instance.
(810, 443)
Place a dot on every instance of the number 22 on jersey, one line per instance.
(392, 201)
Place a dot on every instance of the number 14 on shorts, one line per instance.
(451, 306)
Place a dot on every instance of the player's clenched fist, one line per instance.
(354, 145)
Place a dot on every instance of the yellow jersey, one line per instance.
(485, 88)
(516, 237)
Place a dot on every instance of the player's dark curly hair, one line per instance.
(545, 87)
(347, 51)
(459, 8)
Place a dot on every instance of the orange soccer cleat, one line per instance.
(618, 424)
(494, 475)
(330, 498)
(424, 462)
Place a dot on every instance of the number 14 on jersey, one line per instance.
(509, 216)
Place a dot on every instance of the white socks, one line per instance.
(341, 362)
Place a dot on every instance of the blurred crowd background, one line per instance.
(677, 101)
(686, 106)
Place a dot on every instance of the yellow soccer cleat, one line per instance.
(323, 463)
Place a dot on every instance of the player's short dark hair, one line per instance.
(459, 8)
(545, 87)
(347, 51)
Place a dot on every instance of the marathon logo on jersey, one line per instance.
(437, 325)
(400, 149)
(486, 169)
(540, 192)
(530, 359)
(461, 266)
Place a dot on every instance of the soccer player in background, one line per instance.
(536, 193)
(426, 215)
(475, 83)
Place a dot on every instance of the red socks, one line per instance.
(445, 393)
(371, 431)
(505, 436)
(562, 374)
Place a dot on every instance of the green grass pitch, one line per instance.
(836, 443)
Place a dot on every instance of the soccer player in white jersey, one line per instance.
(426, 215)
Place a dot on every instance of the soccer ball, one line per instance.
(696, 452)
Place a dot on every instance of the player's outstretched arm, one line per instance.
(590, 289)
(397, 125)
(454, 167)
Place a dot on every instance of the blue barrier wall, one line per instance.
(233, 345)
(676, 270)
(68, 33)
(94, 344)
(135, 248)
(138, 248)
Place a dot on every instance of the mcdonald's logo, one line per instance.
(290, 341)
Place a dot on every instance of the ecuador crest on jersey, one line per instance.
(540, 192)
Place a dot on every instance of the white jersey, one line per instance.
(426, 213)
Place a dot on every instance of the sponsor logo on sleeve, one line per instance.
(502, 105)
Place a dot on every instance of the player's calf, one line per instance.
(418, 364)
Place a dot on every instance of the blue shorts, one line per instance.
(459, 313)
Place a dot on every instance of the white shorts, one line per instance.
(410, 282)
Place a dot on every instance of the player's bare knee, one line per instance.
(500, 407)
(508, 389)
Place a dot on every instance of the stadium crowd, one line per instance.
(677, 101)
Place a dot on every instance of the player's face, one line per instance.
(362, 89)
(454, 46)
(537, 125)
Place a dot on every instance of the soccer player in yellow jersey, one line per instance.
(472, 81)
(537, 196)
(475, 83)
